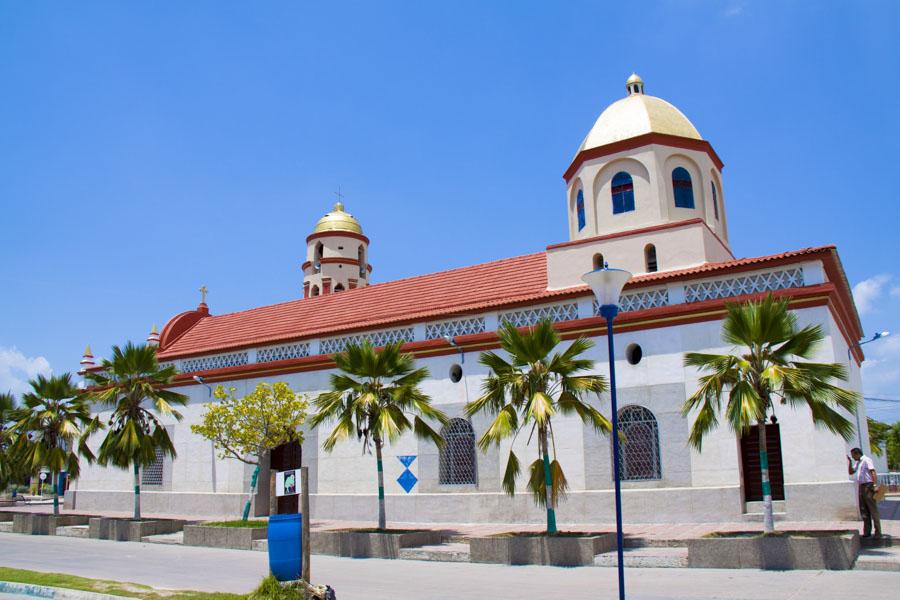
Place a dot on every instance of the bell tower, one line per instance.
(337, 255)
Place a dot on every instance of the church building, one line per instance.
(644, 192)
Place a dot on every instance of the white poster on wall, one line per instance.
(287, 483)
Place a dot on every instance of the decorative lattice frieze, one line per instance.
(454, 328)
(639, 300)
(376, 338)
(285, 352)
(746, 284)
(530, 316)
(217, 361)
(167, 364)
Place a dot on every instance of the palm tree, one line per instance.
(7, 466)
(372, 397)
(762, 367)
(131, 384)
(51, 429)
(526, 392)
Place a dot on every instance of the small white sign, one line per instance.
(287, 483)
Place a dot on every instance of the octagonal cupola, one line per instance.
(336, 255)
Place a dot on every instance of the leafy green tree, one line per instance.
(51, 429)
(884, 435)
(249, 427)
(372, 397)
(525, 392)
(764, 367)
(132, 385)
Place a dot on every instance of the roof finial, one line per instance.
(153, 338)
(203, 291)
(339, 205)
(634, 84)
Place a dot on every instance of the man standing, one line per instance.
(866, 481)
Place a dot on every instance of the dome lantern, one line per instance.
(338, 220)
(634, 84)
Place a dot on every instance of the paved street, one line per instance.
(178, 567)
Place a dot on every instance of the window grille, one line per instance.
(152, 474)
(622, 193)
(748, 284)
(376, 338)
(458, 464)
(579, 208)
(217, 361)
(683, 188)
(530, 316)
(639, 301)
(454, 328)
(284, 352)
(639, 458)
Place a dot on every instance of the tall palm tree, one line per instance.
(131, 384)
(7, 466)
(51, 429)
(764, 367)
(373, 397)
(526, 391)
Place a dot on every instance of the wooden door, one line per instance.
(284, 457)
(750, 463)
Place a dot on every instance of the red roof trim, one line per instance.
(630, 232)
(642, 140)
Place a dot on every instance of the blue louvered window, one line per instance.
(683, 188)
(622, 193)
(579, 207)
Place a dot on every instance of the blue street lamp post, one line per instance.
(607, 286)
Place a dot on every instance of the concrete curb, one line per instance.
(42, 591)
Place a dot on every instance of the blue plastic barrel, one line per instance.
(285, 557)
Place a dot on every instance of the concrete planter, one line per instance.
(791, 550)
(369, 544)
(129, 530)
(44, 524)
(238, 538)
(558, 550)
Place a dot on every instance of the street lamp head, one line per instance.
(449, 339)
(607, 284)
(882, 334)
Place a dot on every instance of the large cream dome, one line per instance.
(638, 114)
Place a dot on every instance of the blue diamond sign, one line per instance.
(407, 480)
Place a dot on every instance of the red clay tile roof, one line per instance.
(507, 282)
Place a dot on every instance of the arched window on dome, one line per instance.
(598, 261)
(317, 257)
(715, 199)
(314, 291)
(650, 258)
(639, 459)
(458, 465)
(361, 255)
(683, 188)
(622, 193)
(579, 209)
(338, 288)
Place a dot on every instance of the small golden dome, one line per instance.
(635, 78)
(338, 220)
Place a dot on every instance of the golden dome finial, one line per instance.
(634, 84)
(87, 350)
(338, 220)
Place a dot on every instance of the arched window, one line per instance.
(579, 208)
(650, 258)
(715, 199)
(457, 460)
(622, 193)
(314, 291)
(339, 288)
(598, 261)
(361, 255)
(639, 459)
(683, 188)
(317, 258)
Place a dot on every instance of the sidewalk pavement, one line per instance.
(208, 569)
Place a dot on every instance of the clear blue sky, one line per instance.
(149, 148)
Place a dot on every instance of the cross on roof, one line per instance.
(203, 291)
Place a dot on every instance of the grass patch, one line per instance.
(558, 534)
(777, 534)
(375, 530)
(237, 524)
(102, 586)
